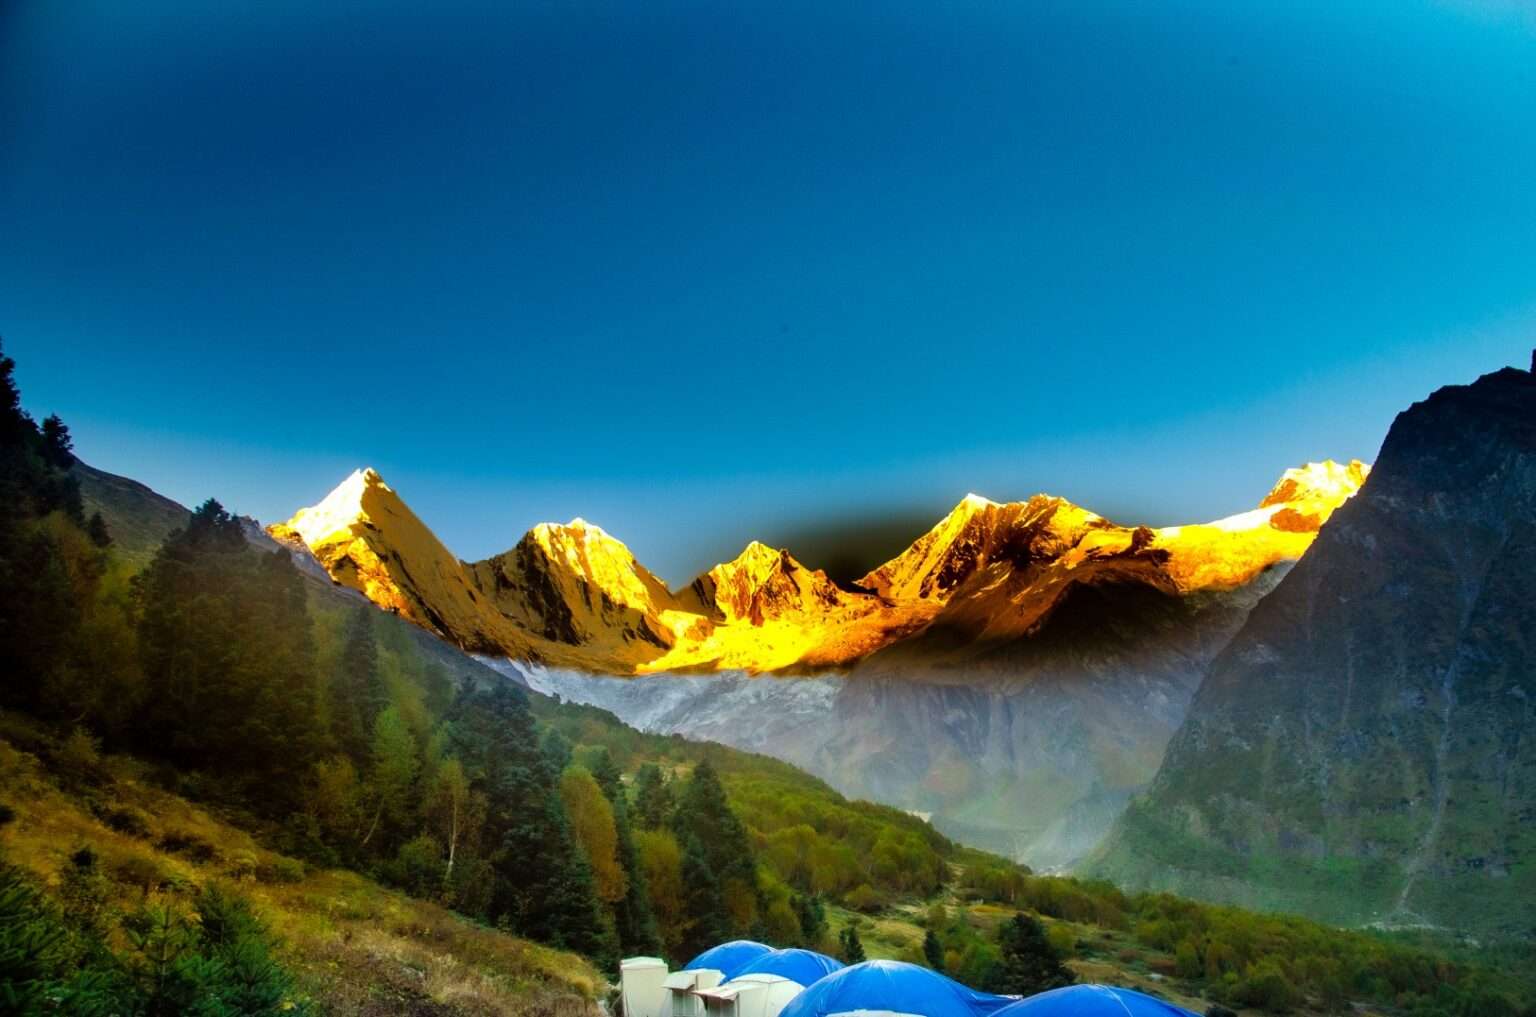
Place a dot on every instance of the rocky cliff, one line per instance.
(1362, 750)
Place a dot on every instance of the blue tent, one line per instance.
(729, 958)
(803, 966)
(893, 985)
(1093, 1001)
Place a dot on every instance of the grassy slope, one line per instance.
(356, 947)
(1103, 956)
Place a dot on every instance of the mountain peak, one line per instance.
(762, 583)
(575, 584)
(336, 513)
(1316, 489)
(973, 533)
(369, 539)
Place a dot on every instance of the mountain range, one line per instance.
(570, 595)
(1015, 673)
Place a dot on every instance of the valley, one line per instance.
(1015, 674)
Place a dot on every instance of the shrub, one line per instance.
(280, 869)
(864, 898)
(142, 872)
(85, 893)
(126, 819)
(1187, 963)
(1265, 986)
(242, 865)
(418, 867)
(1062, 940)
(189, 845)
(79, 757)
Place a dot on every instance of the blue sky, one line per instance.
(707, 272)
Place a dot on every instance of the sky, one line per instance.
(705, 272)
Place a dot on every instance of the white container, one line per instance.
(641, 986)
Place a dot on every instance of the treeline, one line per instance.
(807, 837)
(1251, 959)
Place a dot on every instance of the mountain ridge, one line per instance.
(572, 595)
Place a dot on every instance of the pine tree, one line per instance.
(557, 750)
(96, 529)
(357, 693)
(812, 914)
(542, 883)
(58, 446)
(704, 815)
(850, 946)
(654, 802)
(1029, 964)
(606, 772)
(633, 917)
(933, 951)
(707, 922)
(228, 657)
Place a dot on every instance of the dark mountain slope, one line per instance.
(1364, 749)
(137, 518)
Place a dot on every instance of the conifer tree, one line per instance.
(707, 920)
(654, 802)
(227, 656)
(933, 951)
(542, 883)
(812, 914)
(357, 693)
(634, 919)
(1029, 964)
(96, 529)
(606, 772)
(850, 946)
(704, 815)
(58, 446)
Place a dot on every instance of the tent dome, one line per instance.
(803, 966)
(729, 958)
(1092, 1001)
(893, 986)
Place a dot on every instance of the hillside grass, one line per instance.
(1096, 954)
(354, 947)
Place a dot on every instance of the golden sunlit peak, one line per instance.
(1326, 481)
(339, 510)
(756, 553)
